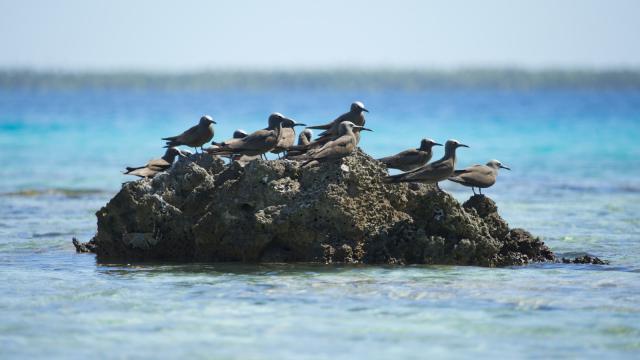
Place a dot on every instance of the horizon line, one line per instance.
(345, 78)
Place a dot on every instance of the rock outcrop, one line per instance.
(276, 211)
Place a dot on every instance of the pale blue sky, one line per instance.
(190, 35)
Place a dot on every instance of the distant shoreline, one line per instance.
(339, 79)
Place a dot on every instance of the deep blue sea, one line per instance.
(575, 159)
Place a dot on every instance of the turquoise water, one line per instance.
(575, 158)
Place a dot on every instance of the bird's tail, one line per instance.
(130, 169)
(455, 176)
(171, 143)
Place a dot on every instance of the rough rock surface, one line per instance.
(275, 211)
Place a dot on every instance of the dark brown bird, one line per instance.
(237, 134)
(335, 149)
(411, 159)
(288, 137)
(434, 172)
(331, 130)
(258, 142)
(478, 176)
(332, 133)
(194, 137)
(155, 166)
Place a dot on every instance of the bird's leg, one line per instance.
(474, 190)
(438, 187)
(201, 149)
(480, 189)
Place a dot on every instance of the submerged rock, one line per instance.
(275, 211)
(87, 247)
(585, 259)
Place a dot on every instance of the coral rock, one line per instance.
(276, 211)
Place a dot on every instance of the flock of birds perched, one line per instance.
(338, 139)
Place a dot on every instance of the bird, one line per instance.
(478, 176)
(331, 130)
(287, 139)
(237, 134)
(195, 136)
(155, 166)
(335, 149)
(433, 172)
(305, 137)
(411, 159)
(258, 142)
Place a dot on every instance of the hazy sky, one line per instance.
(188, 35)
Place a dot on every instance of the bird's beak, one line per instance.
(504, 167)
(365, 110)
(437, 144)
(363, 128)
(213, 122)
(463, 145)
(299, 124)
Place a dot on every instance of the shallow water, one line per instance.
(575, 162)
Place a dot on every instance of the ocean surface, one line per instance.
(575, 159)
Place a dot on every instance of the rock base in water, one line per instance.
(275, 211)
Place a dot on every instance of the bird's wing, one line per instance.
(435, 171)
(144, 172)
(159, 163)
(466, 170)
(337, 148)
(479, 175)
(404, 158)
(130, 169)
(427, 167)
(185, 137)
(257, 140)
(330, 125)
(190, 135)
